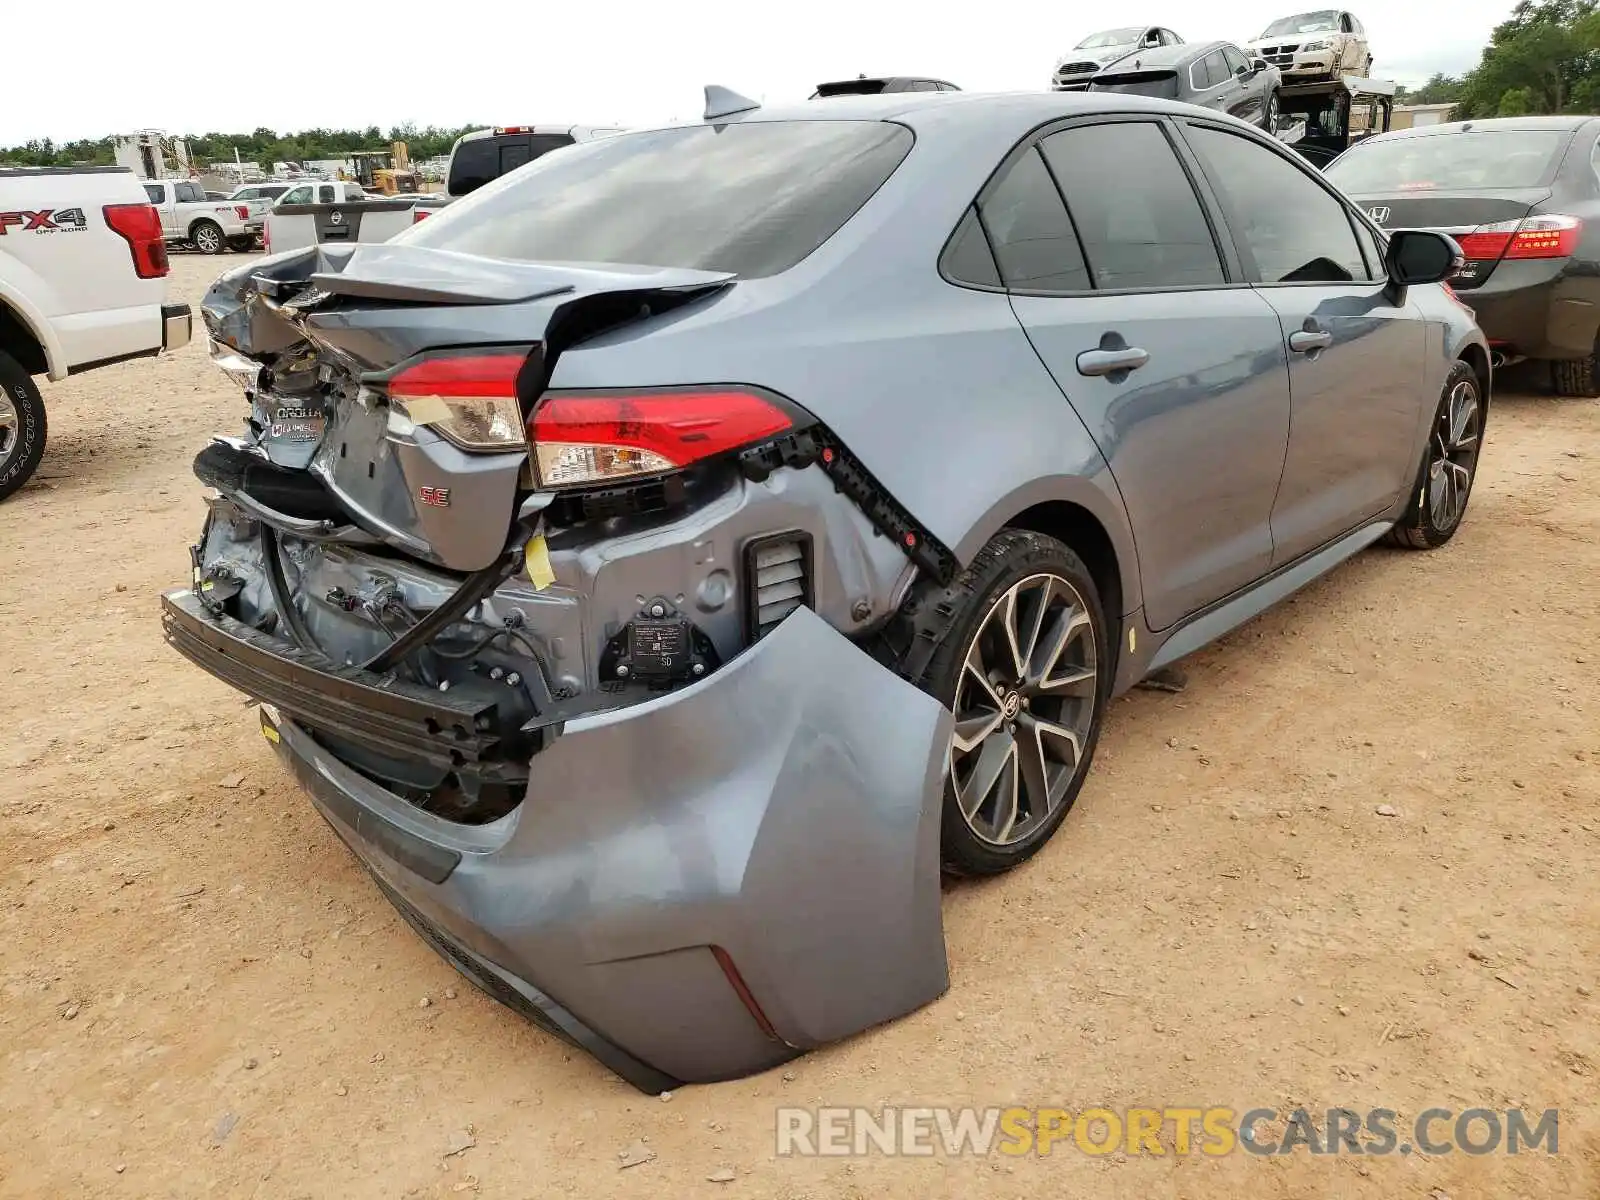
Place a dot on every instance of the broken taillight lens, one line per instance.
(469, 399)
(1546, 236)
(586, 438)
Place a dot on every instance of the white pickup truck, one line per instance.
(83, 284)
(210, 226)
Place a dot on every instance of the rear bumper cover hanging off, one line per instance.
(695, 887)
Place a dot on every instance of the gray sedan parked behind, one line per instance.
(660, 563)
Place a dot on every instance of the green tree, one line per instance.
(1518, 102)
(1547, 50)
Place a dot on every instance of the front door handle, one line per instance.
(1304, 341)
(1109, 362)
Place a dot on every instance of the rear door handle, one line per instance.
(1304, 341)
(1109, 362)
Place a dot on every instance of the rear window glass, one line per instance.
(753, 198)
(1151, 83)
(482, 160)
(1482, 159)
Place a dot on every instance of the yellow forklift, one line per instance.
(386, 172)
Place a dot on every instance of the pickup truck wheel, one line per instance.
(207, 237)
(22, 426)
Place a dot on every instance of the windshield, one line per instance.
(1110, 38)
(752, 198)
(1483, 160)
(1312, 22)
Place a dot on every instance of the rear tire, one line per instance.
(1576, 376)
(1449, 465)
(1025, 662)
(22, 426)
(207, 237)
(242, 245)
(1269, 118)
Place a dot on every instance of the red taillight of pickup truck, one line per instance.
(417, 214)
(243, 210)
(140, 226)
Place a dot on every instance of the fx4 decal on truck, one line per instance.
(46, 220)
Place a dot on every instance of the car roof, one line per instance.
(1163, 56)
(965, 108)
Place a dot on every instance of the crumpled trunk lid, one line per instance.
(311, 333)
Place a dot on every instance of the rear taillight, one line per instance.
(140, 226)
(243, 210)
(585, 438)
(417, 214)
(1549, 236)
(470, 399)
(266, 237)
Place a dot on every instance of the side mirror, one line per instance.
(1259, 64)
(1422, 256)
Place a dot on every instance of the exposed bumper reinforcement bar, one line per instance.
(390, 715)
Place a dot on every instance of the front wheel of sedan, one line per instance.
(1449, 465)
(1025, 666)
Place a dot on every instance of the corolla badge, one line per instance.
(1379, 214)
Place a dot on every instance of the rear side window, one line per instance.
(478, 161)
(1296, 231)
(1480, 160)
(1135, 211)
(968, 258)
(1030, 231)
(751, 197)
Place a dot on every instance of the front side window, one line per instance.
(1296, 231)
(750, 197)
(299, 195)
(1135, 211)
(190, 192)
(157, 193)
(1235, 60)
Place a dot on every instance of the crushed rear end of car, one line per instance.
(580, 675)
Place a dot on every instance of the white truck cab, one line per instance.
(83, 284)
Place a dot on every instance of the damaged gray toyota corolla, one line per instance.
(659, 564)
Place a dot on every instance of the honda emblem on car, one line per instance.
(1379, 214)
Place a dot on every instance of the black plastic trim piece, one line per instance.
(752, 594)
(96, 364)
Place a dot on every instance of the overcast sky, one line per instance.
(297, 64)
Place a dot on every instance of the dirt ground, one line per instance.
(201, 993)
